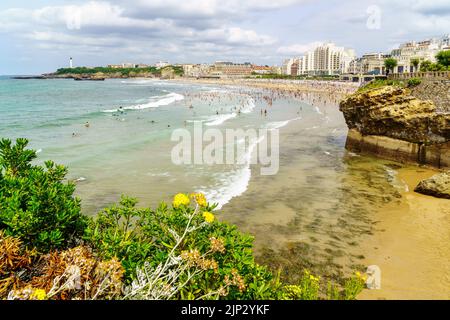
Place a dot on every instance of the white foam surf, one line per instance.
(219, 119)
(249, 106)
(234, 183)
(162, 101)
(280, 124)
(318, 110)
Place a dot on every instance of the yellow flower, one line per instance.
(209, 217)
(200, 199)
(312, 278)
(38, 294)
(181, 200)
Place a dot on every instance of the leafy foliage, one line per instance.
(126, 72)
(443, 58)
(106, 70)
(414, 82)
(137, 236)
(415, 62)
(379, 83)
(390, 64)
(35, 204)
(442, 64)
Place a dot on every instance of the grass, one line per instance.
(376, 84)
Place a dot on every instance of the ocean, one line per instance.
(126, 147)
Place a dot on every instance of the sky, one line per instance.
(40, 36)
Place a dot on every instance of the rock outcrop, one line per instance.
(437, 186)
(391, 123)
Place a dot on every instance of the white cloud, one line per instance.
(298, 49)
(103, 24)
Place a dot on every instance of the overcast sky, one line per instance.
(40, 36)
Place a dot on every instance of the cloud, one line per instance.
(107, 24)
(435, 7)
(298, 49)
(207, 30)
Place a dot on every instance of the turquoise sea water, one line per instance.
(127, 147)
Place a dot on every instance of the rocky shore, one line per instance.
(437, 186)
(390, 122)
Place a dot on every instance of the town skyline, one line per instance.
(39, 38)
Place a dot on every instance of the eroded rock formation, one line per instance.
(391, 123)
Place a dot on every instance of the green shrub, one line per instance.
(414, 82)
(173, 252)
(35, 205)
(443, 58)
(148, 237)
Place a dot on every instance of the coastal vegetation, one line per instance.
(50, 250)
(380, 83)
(442, 64)
(124, 72)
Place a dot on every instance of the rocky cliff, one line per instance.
(392, 123)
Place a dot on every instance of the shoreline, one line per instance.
(408, 235)
(410, 244)
(313, 86)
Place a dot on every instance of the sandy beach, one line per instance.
(282, 85)
(410, 245)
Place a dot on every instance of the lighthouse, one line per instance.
(71, 62)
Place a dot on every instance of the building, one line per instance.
(142, 65)
(275, 70)
(230, 69)
(295, 67)
(330, 59)
(115, 66)
(127, 65)
(286, 68)
(196, 70)
(422, 50)
(371, 63)
(162, 64)
(306, 63)
(261, 69)
(326, 59)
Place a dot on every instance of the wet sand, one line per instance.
(411, 245)
(335, 212)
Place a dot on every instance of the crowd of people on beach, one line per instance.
(244, 95)
(316, 93)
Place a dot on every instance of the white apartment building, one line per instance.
(422, 50)
(287, 66)
(330, 59)
(327, 59)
